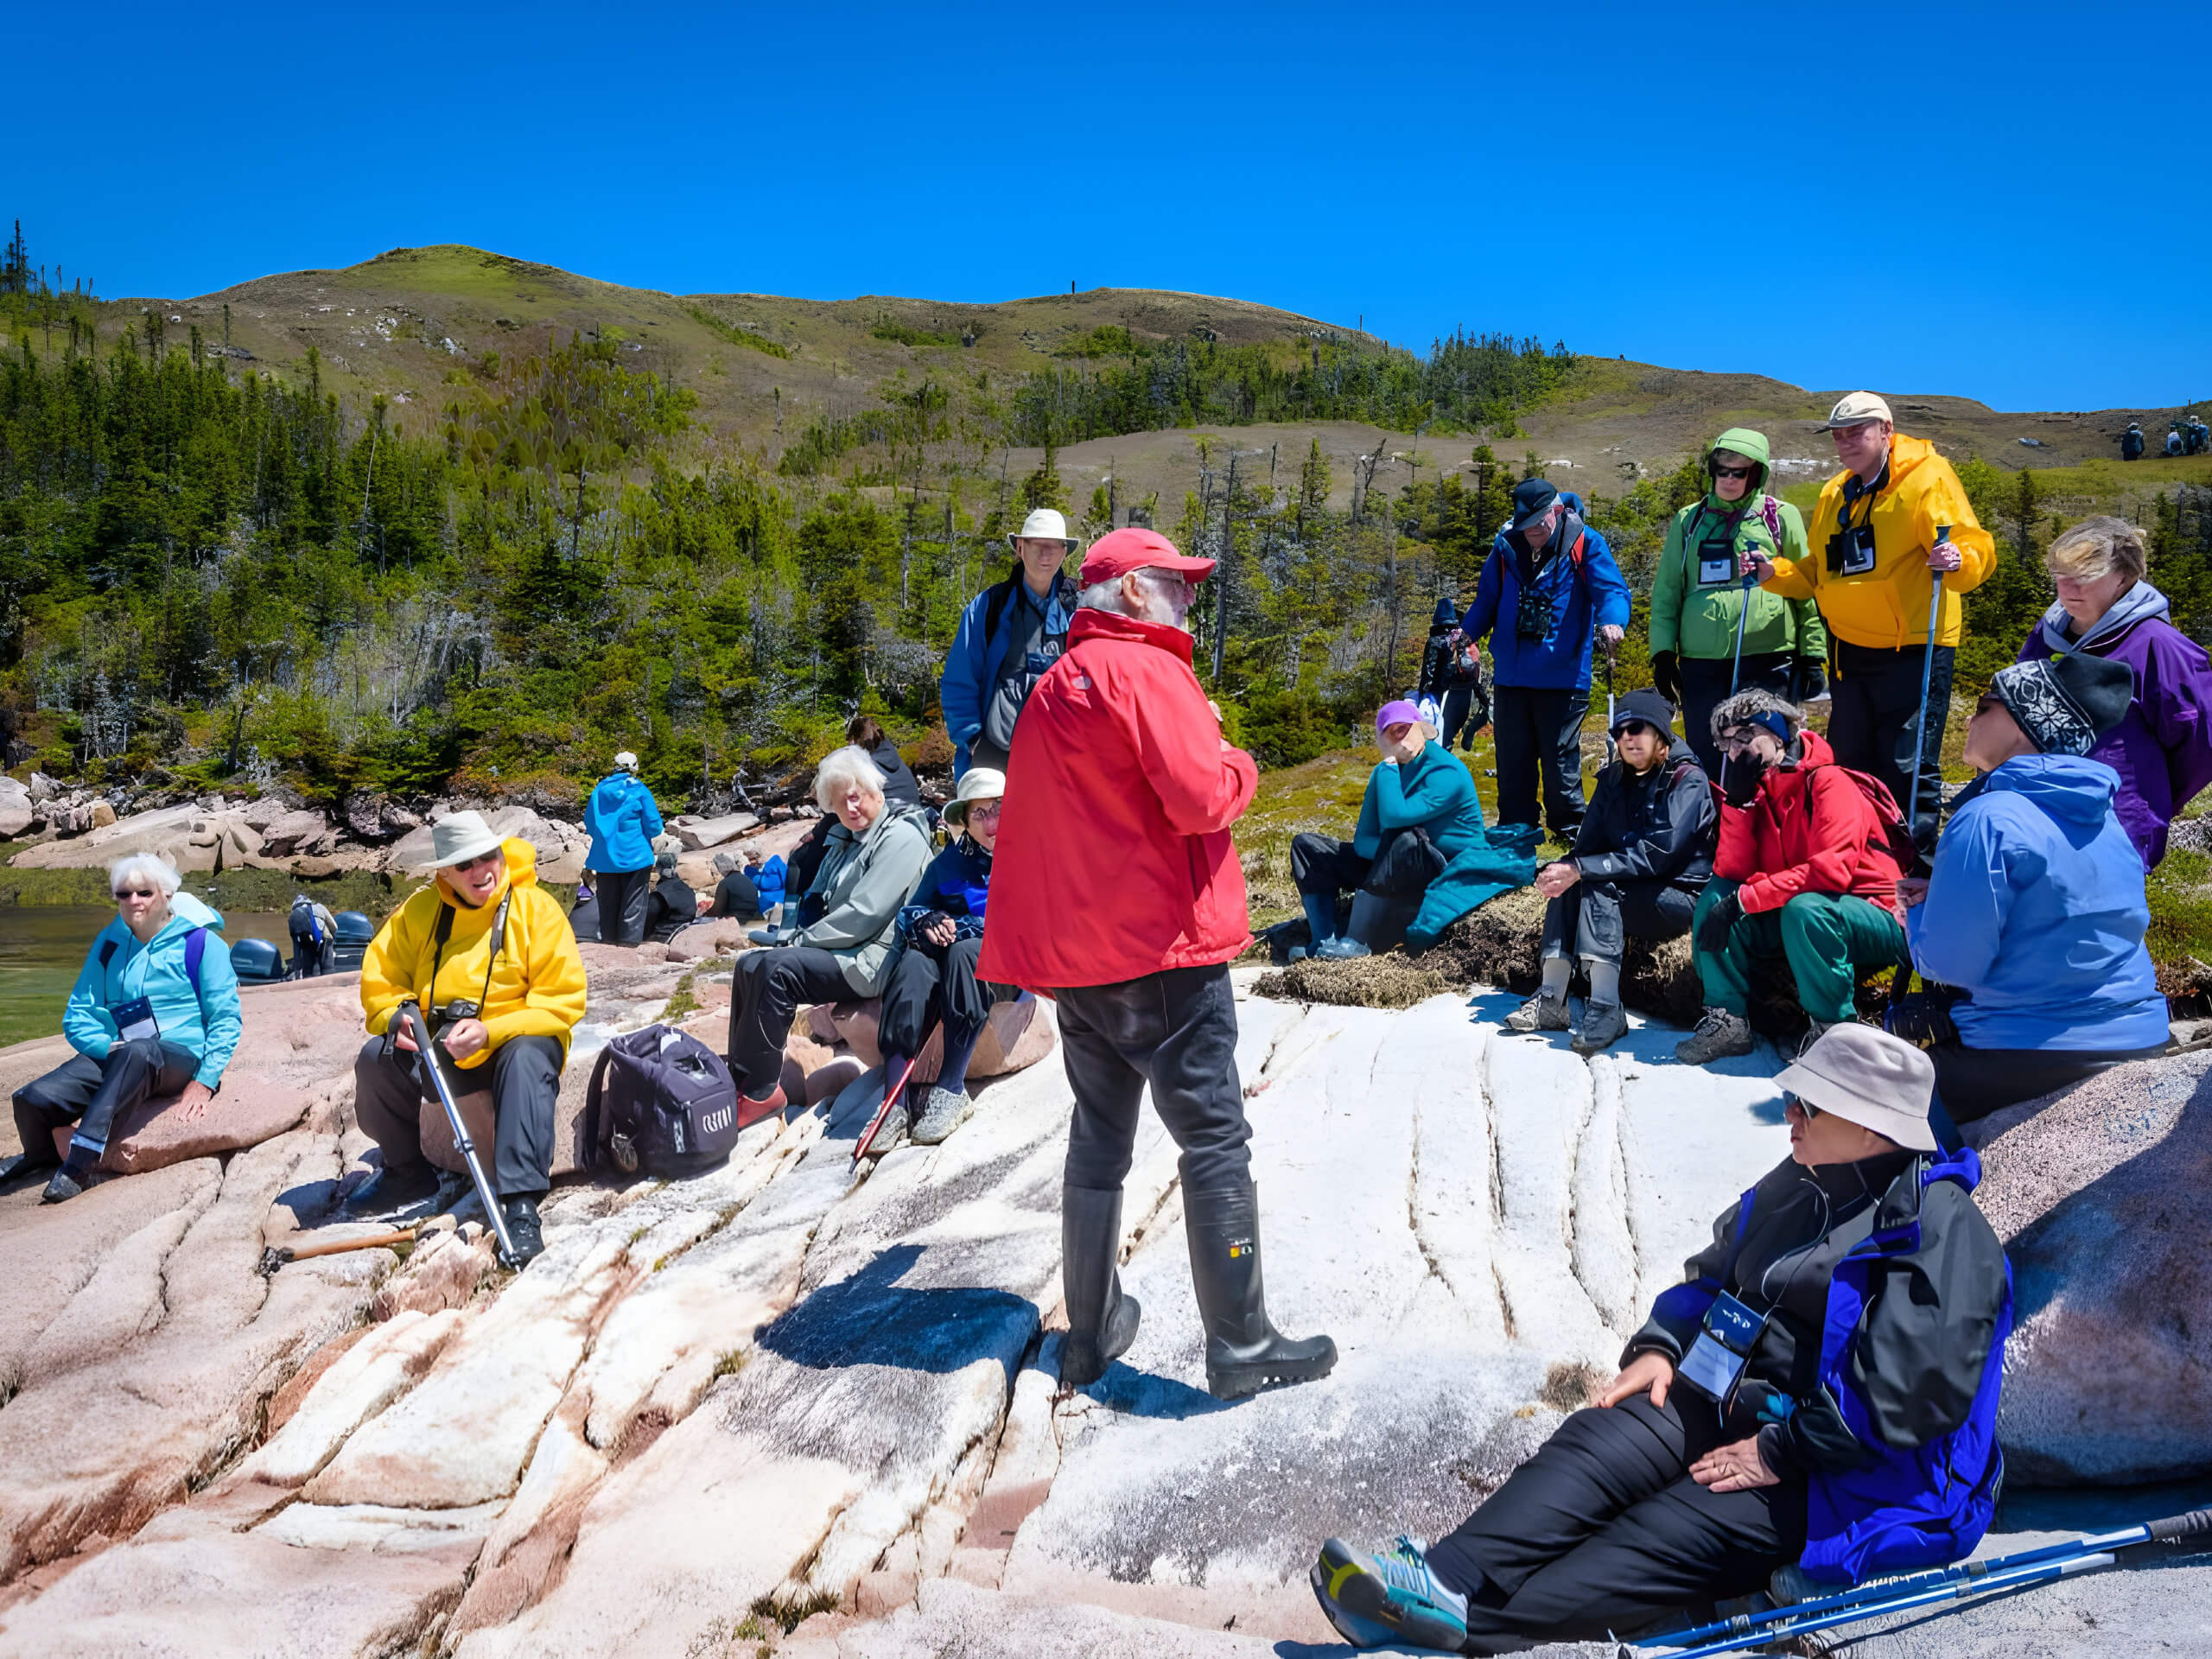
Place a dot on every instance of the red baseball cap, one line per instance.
(1120, 552)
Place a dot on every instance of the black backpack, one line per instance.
(670, 1111)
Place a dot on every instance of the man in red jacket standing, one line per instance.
(1116, 892)
(1804, 872)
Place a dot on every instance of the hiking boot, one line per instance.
(1395, 1589)
(1244, 1352)
(1539, 1012)
(63, 1187)
(943, 1110)
(1360, 1632)
(1718, 1035)
(1604, 1024)
(387, 1191)
(893, 1136)
(12, 1169)
(1102, 1322)
(524, 1230)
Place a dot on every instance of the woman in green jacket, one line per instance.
(1699, 594)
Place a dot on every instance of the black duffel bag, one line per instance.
(660, 1104)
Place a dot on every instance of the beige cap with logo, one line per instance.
(1856, 409)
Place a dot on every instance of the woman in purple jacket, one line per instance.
(2161, 749)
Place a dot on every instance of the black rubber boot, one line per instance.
(1244, 1352)
(1102, 1322)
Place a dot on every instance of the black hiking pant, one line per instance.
(1598, 919)
(525, 1077)
(1324, 867)
(1705, 688)
(1874, 720)
(770, 987)
(1175, 1030)
(931, 984)
(622, 895)
(92, 1094)
(1459, 701)
(1539, 733)
(1603, 1531)
(1972, 1083)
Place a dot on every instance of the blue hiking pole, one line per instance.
(1927, 675)
(1957, 1582)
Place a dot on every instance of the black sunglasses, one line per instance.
(1733, 472)
(1634, 727)
(134, 892)
(1803, 1105)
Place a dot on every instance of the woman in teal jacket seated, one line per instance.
(155, 1012)
(1420, 859)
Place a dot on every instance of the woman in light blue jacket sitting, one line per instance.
(155, 1012)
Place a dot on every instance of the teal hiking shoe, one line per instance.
(1360, 1632)
(1392, 1589)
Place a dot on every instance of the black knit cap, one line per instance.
(1649, 707)
(2066, 703)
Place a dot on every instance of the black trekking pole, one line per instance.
(1611, 750)
(411, 1015)
(1927, 677)
(1957, 1582)
(1736, 669)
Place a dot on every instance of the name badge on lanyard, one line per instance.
(1716, 562)
(134, 1020)
(1716, 1359)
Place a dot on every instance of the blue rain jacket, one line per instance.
(623, 821)
(206, 1021)
(1587, 592)
(971, 667)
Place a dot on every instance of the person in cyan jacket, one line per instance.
(1816, 1403)
(1548, 592)
(1418, 858)
(2034, 909)
(1642, 855)
(623, 820)
(155, 1012)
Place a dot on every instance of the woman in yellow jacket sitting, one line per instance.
(487, 954)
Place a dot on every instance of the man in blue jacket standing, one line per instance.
(1009, 635)
(623, 821)
(1548, 589)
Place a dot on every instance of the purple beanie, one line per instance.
(1400, 713)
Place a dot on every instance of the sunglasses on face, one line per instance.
(134, 892)
(1798, 1103)
(482, 859)
(1634, 727)
(1733, 472)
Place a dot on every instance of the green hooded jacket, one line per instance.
(1699, 619)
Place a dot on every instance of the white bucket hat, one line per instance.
(1868, 1078)
(976, 784)
(460, 836)
(1043, 525)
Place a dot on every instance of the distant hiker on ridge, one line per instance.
(1010, 633)
(623, 820)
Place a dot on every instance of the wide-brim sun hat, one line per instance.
(1867, 1077)
(460, 836)
(976, 784)
(1043, 525)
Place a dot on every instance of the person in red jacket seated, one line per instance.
(1115, 891)
(1804, 873)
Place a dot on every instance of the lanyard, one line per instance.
(445, 932)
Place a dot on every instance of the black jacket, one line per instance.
(671, 905)
(1442, 670)
(1660, 826)
(899, 785)
(736, 895)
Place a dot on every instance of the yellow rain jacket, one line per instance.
(1887, 607)
(537, 980)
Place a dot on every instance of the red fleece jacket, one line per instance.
(1808, 829)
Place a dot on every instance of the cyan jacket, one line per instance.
(623, 821)
(2035, 909)
(971, 667)
(1587, 594)
(205, 1022)
(1434, 793)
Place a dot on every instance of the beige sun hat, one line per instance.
(976, 784)
(1043, 525)
(1867, 1077)
(1856, 409)
(460, 836)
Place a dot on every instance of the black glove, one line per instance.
(1720, 921)
(1743, 773)
(1808, 679)
(1667, 676)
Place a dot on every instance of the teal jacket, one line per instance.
(1436, 793)
(207, 1022)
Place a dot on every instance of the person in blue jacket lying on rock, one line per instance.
(1813, 1406)
(155, 1012)
(1420, 850)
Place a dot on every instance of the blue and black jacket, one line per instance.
(1576, 574)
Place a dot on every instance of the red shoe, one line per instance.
(750, 1111)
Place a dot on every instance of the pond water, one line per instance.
(42, 946)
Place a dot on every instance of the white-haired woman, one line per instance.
(876, 856)
(155, 1012)
(2106, 608)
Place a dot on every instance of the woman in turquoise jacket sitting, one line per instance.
(1419, 858)
(155, 1012)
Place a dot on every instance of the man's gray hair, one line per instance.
(840, 770)
(1748, 705)
(139, 867)
(1107, 595)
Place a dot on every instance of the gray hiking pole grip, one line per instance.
(2198, 1523)
(1927, 678)
(409, 1013)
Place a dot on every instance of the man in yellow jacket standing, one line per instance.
(1874, 553)
(487, 954)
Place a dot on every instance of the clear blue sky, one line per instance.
(2013, 203)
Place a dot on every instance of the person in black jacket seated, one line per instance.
(735, 893)
(934, 979)
(901, 787)
(1814, 1406)
(1643, 854)
(671, 905)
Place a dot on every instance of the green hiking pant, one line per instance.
(1828, 938)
